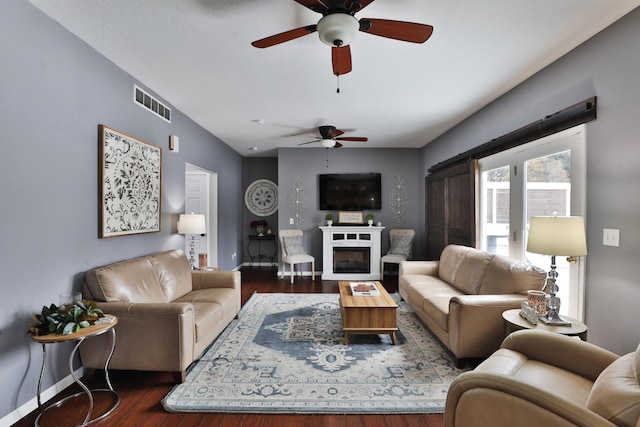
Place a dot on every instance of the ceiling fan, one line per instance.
(330, 137)
(338, 26)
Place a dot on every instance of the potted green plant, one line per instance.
(370, 217)
(329, 218)
(65, 319)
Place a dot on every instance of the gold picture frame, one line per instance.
(130, 184)
(351, 217)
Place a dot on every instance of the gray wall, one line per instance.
(308, 163)
(54, 91)
(607, 66)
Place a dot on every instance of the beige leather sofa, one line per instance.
(462, 296)
(167, 313)
(540, 378)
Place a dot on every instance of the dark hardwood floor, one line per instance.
(141, 392)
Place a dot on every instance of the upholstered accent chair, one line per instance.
(400, 247)
(540, 378)
(293, 252)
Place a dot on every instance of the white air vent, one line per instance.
(147, 101)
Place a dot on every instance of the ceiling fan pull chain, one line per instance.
(338, 78)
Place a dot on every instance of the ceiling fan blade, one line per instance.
(353, 138)
(319, 6)
(337, 145)
(341, 60)
(284, 37)
(398, 30)
(309, 142)
(336, 132)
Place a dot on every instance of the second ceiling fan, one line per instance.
(338, 26)
(330, 137)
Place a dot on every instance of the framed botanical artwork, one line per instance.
(130, 184)
(351, 217)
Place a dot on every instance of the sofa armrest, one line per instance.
(215, 279)
(164, 330)
(476, 327)
(579, 357)
(430, 268)
(500, 400)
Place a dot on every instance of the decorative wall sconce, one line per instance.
(297, 200)
(398, 200)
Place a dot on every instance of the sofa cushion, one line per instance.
(155, 278)
(615, 394)
(174, 273)
(432, 295)
(400, 245)
(507, 275)
(464, 267)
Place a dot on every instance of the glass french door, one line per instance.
(542, 178)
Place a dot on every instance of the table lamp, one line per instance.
(556, 235)
(192, 224)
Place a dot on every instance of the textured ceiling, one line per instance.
(197, 56)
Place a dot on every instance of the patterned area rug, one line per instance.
(285, 355)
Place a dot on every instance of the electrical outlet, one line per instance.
(291, 221)
(234, 255)
(611, 237)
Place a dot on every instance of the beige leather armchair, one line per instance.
(541, 378)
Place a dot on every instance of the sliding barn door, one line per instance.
(450, 207)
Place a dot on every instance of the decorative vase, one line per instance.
(329, 222)
(370, 222)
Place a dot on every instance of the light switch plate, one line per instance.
(611, 237)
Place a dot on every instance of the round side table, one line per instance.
(106, 325)
(514, 322)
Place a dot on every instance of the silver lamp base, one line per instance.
(554, 320)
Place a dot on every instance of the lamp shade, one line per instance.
(557, 235)
(191, 224)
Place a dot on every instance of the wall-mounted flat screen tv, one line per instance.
(350, 191)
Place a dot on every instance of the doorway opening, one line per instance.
(201, 197)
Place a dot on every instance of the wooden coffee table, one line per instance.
(364, 315)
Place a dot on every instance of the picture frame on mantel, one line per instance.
(130, 184)
(351, 217)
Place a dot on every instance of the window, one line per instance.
(541, 178)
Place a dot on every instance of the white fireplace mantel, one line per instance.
(351, 237)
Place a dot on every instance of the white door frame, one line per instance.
(212, 215)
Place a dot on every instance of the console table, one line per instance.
(80, 336)
(259, 255)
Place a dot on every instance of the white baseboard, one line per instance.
(30, 406)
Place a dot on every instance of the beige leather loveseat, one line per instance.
(167, 313)
(462, 296)
(541, 378)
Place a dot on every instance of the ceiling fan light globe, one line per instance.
(337, 29)
(327, 143)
